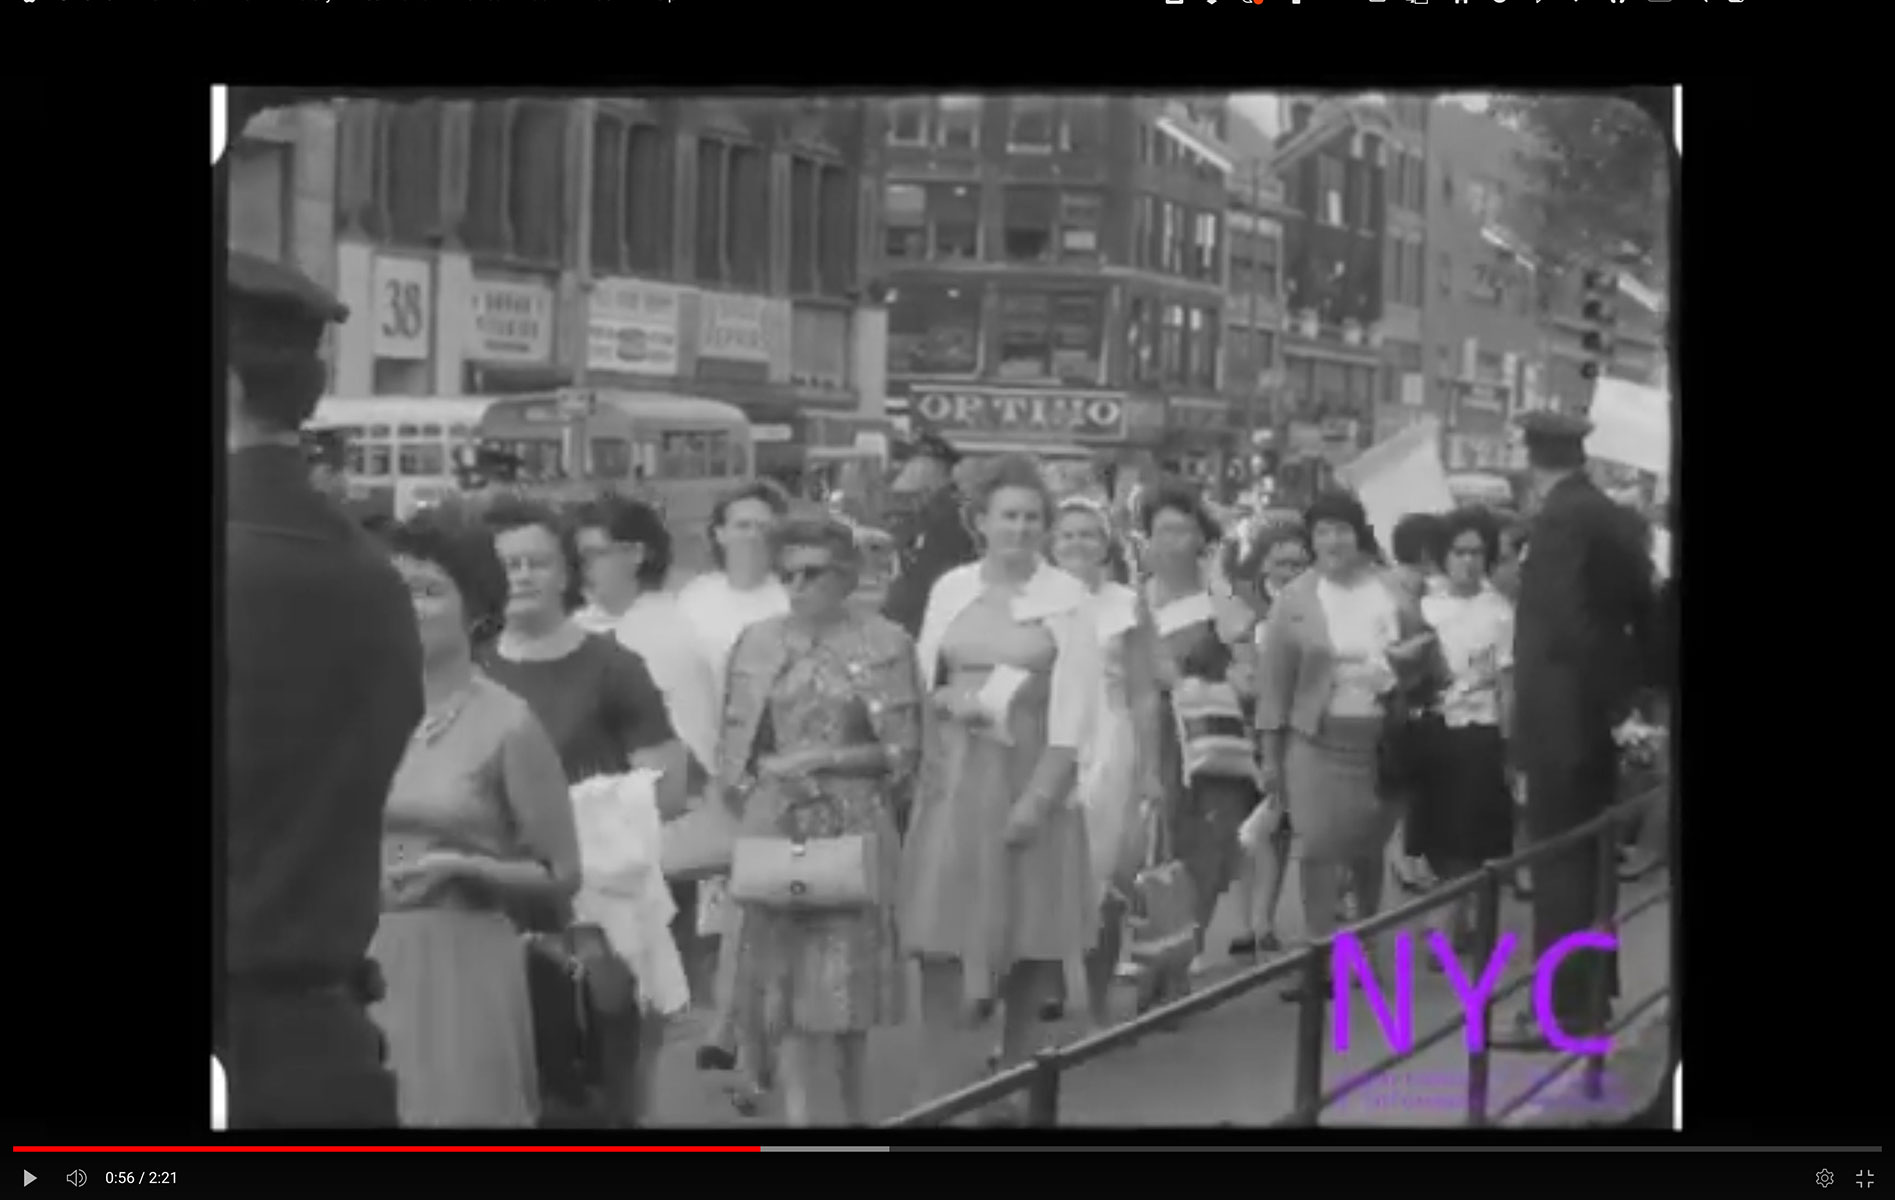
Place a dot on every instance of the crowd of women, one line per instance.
(978, 799)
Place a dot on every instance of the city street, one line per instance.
(1234, 1065)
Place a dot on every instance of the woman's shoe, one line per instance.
(1053, 1010)
(1244, 947)
(715, 1058)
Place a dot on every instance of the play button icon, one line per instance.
(30, 1177)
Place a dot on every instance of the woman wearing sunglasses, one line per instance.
(822, 723)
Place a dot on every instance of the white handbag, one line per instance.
(820, 873)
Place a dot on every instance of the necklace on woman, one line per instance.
(441, 717)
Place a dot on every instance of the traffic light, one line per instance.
(1600, 312)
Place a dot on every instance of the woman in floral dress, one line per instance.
(822, 724)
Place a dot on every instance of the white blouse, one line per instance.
(720, 613)
(1476, 637)
(1363, 623)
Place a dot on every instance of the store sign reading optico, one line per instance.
(1020, 411)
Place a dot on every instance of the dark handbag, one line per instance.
(574, 983)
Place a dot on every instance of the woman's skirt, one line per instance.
(1204, 829)
(968, 895)
(822, 973)
(1462, 812)
(1337, 814)
(458, 1018)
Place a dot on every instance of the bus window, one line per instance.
(353, 457)
(375, 459)
(611, 458)
(458, 431)
(430, 433)
(675, 458)
(540, 458)
(716, 455)
(407, 433)
(378, 433)
(423, 459)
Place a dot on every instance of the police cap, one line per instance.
(274, 311)
(1554, 439)
(932, 445)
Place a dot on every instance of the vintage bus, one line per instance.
(401, 449)
(677, 452)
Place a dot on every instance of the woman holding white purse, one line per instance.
(822, 722)
(477, 820)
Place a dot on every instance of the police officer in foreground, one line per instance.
(936, 538)
(323, 670)
(1581, 623)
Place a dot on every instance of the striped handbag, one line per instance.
(1215, 739)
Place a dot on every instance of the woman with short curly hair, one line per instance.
(477, 820)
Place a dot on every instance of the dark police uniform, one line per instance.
(935, 539)
(1581, 628)
(323, 670)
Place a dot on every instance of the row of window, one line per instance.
(1034, 124)
(392, 185)
(1319, 389)
(1156, 150)
(941, 222)
(1174, 344)
(1176, 239)
(1407, 179)
(1042, 335)
(1402, 271)
(1048, 335)
(1255, 264)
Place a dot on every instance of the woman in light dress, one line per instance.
(1339, 641)
(1462, 814)
(1118, 769)
(822, 725)
(477, 820)
(996, 877)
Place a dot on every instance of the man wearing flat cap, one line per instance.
(1585, 606)
(323, 670)
(936, 537)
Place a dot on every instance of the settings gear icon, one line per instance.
(1825, 1177)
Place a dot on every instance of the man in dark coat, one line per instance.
(935, 539)
(1583, 618)
(323, 675)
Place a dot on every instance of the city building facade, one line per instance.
(1253, 310)
(1054, 272)
(1403, 397)
(1331, 159)
(697, 247)
(282, 189)
(1481, 319)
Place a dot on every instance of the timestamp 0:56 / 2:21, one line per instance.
(136, 1177)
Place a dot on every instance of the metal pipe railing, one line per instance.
(1040, 1078)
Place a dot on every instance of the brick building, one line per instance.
(1253, 311)
(1482, 320)
(1331, 159)
(701, 247)
(1054, 270)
